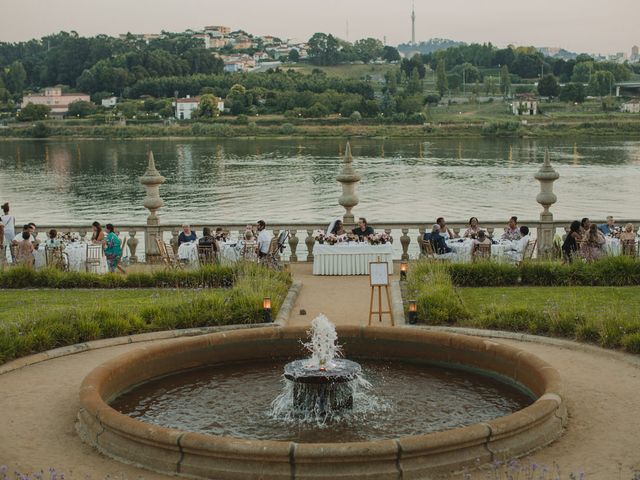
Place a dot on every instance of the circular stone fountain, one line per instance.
(418, 454)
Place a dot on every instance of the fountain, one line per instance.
(322, 384)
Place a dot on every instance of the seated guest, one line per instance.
(516, 252)
(480, 239)
(363, 230)
(585, 223)
(593, 244)
(27, 227)
(608, 228)
(512, 232)
(98, 234)
(53, 240)
(186, 235)
(221, 235)
(208, 240)
(444, 230)
(264, 239)
(571, 242)
(628, 233)
(438, 241)
(24, 251)
(337, 228)
(473, 230)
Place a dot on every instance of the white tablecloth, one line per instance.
(462, 250)
(613, 247)
(189, 251)
(349, 259)
(77, 253)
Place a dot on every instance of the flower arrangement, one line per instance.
(379, 238)
(319, 236)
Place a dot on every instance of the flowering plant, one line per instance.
(319, 236)
(379, 238)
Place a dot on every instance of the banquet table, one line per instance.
(77, 254)
(188, 251)
(351, 258)
(462, 250)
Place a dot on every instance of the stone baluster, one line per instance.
(310, 242)
(456, 231)
(546, 176)
(348, 177)
(151, 180)
(490, 231)
(132, 243)
(421, 231)
(388, 232)
(405, 240)
(174, 239)
(293, 245)
(83, 234)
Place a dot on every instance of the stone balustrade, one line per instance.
(301, 242)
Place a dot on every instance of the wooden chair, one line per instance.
(271, 258)
(481, 252)
(56, 257)
(207, 255)
(162, 251)
(249, 251)
(628, 248)
(426, 250)
(94, 258)
(174, 261)
(529, 250)
(13, 250)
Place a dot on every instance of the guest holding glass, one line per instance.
(473, 230)
(113, 248)
(512, 232)
(445, 231)
(186, 235)
(363, 230)
(593, 244)
(571, 243)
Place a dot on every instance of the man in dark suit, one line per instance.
(437, 241)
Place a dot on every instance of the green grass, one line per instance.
(346, 71)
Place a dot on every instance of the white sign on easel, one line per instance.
(379, 278)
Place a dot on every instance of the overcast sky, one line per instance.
(577, 25)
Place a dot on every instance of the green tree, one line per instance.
(489, 85)
(582, 72)
(81, 109)
(16, 77)
(601, 83)
(573, 92)
(441, 78)
(368, 49)
(208, 107)
(388, 105)
(391, 82)
(239, 99)
(505, 81)
(548, 86)
(294, 56)
(390, 54)
(415, 84)
(32, 112)
(323, 49)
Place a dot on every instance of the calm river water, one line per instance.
(215, 181)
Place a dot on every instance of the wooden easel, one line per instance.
(379, 278)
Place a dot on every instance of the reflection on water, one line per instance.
(68, 181)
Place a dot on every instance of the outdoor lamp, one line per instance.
(404, 266)
(266, 309)
(413, 312)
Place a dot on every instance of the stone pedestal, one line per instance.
(546, 176)
(348, 177)
(151, 180)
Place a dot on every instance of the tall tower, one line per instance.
(413, 24)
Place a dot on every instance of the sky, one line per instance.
(576, 25)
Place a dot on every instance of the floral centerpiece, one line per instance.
(319, 236)
(379, 238)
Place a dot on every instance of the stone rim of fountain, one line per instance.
(186, 453)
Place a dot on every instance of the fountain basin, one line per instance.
(418, 456)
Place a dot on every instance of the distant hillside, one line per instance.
(430, 46)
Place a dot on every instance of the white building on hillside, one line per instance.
(186, 106)
(632, 106)
(54, 98)
(109, 102)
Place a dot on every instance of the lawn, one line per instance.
(19, 305)
(621, 301)
(354, 71)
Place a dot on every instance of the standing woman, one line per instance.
(9, 225)
(113, 249)
(98, 234)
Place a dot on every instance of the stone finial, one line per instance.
(348, 177)
(546, 176)
(152, 181)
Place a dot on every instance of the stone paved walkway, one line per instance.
(344, 300)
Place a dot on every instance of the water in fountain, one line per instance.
(323, 386)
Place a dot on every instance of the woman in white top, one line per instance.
(9, 224)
